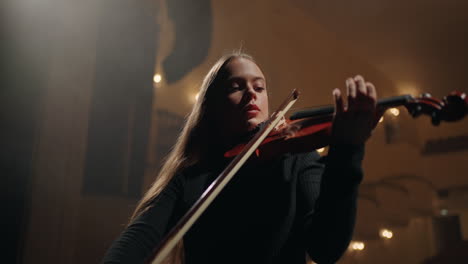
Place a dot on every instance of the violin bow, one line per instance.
(184, 224)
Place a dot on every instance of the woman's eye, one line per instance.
(235, 87)
(259, 89)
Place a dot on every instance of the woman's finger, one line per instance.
(351, 93)
(339, 104)
(371, 91)
(361, 86)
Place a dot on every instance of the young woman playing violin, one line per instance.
(272, 211)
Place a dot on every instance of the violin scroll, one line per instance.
(452, 107)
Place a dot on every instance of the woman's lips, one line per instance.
(251, 110)
(251, 107)
(252, 113)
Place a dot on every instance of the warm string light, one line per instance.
(357, 246)
(385, 233)
(320, 150)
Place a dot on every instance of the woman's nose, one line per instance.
(250, 92)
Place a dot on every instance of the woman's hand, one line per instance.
(355, 119)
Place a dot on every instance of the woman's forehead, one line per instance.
(244, 68)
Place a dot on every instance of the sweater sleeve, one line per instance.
(138, 240)
(329, 190)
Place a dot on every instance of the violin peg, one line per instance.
(435, 118)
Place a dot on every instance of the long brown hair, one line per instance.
(191, 143)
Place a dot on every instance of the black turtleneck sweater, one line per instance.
(271, 212)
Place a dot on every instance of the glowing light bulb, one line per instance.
(394, 111)
(157, 78)
(320, 150)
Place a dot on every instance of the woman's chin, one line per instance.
(252, 123)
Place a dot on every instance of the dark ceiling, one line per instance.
(421, 45)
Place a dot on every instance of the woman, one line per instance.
(271, 211)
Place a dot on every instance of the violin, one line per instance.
(311, 129)
(304, 131)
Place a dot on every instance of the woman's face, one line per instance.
(245, 103)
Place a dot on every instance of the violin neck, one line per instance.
(329, 110)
